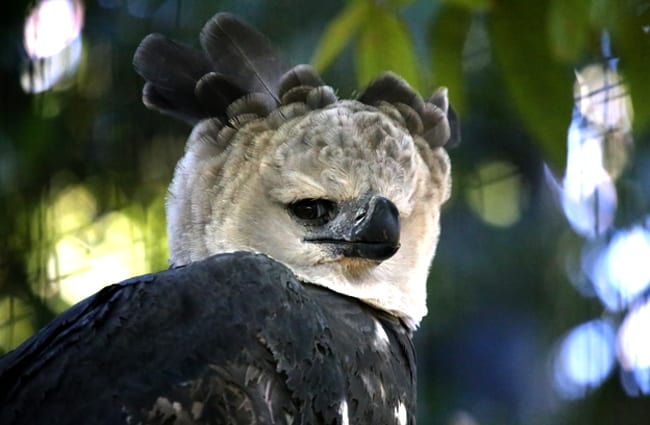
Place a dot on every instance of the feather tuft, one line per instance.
(299, 75)
(215, 92)
(244, 54)
(191, 85)
(391, 88)
(171, 70)
(426, 119)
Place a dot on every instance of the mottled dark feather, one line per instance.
(229, 340)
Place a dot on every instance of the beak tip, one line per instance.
(377, 236)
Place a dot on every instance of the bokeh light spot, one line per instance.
(91, 252)
(584, 358)
(619, 269)
(52, 26)
(633, 346)
(52, 40)
(497, 194)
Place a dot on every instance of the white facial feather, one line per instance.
(231, 189)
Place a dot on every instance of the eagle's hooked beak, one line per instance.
(366, 228)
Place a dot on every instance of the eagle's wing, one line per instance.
(228, 340)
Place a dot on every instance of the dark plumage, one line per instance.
(233, 339)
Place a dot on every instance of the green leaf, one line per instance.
(385, 44)
(541, 88)
(447, 38)
(338, 33)
(568, 28)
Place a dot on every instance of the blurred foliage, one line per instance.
(385, 44)
(536, 45)
(499, 294)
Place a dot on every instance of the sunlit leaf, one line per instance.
(568, 28)
(475, 5)
(385, 45)
(497, 194)
(540, 87)
(448, 34)
(338, 33)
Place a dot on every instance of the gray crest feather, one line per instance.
(454, 127)
(241, 75)
(191, 85)
(299, 75)
(171, 70)
(319, 97)
(243, 53)
(392, 89)
(303, 84)
(439, 98)
(215, 92)
(295, 94)
(259, 104)
(420, 117)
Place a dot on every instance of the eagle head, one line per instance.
(345, 193)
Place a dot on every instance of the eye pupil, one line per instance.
(312, 209)
(308, 211)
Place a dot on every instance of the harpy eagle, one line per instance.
(301, 229)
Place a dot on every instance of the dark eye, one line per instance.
(317, 210)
